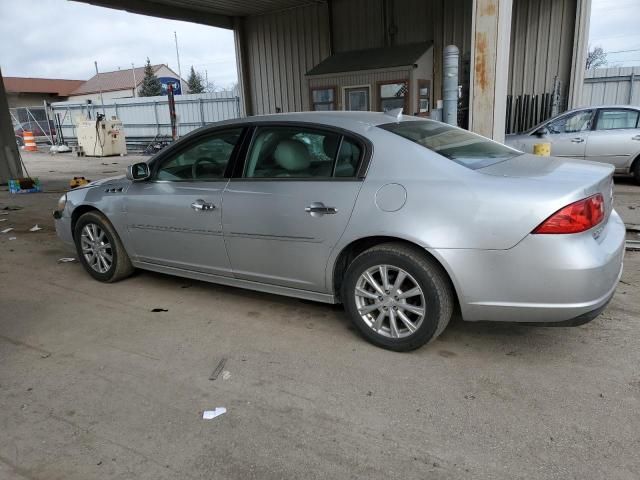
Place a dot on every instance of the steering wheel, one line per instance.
(194, 167)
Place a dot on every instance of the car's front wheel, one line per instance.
(398, 297)
(636, 171)
(100, 250)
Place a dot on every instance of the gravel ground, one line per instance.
(93, 384)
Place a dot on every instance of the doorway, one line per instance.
(357, 98)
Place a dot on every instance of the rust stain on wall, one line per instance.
(481, 61)
(488, 9)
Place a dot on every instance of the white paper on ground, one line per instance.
(66, 260)
(3, 219)
(12, 238)
(35, 228)
(209, 414)
(7, 230)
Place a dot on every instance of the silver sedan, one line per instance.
(608, 134)
(401, 219)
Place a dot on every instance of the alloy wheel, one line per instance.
(390, 301)
(96, 248)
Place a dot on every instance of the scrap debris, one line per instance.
(218, 369)
(156, 310)
(7, 230)
(67, 260)
(35, 228)
(209, 414)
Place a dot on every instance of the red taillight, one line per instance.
(575, 218)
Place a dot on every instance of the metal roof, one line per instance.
(218, 13)
(371, 59)
(56, 86)
(113, 81)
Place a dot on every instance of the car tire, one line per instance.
(636, 171)
(104, 256)
(374, 310)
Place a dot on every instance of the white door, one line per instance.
(616, 138)
(357, 99)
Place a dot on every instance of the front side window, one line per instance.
(614, 119)
(468, 149)
(292, 152)
(571, 123)
(207, 159)
(323, 99)
(392, 95)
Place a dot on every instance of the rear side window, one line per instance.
(614, 119)
(295, 152)
(468, 149)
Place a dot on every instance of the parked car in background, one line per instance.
(609, 134)
(39, 130)
(399, 218)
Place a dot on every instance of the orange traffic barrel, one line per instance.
(29, 142)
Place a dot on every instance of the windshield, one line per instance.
(468, 149)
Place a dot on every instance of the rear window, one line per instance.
(468, 149)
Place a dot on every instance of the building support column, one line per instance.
(242, 63)
(580, 48)
(490, 42)
(10, 164)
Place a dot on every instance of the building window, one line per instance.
(424, 97)
(323, 99)
(393, 95)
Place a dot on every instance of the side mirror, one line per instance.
(542, 132)
(138, 172)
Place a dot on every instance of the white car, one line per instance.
(608, 134)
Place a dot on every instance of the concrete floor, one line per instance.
(93, 384)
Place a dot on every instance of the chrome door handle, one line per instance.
(318, 208)
(202, 206)
(577, 140)
(637, 137)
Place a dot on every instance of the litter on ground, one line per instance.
(12, 238)
(209, 414)
(66, 260)
(7, 230)
(35, 228)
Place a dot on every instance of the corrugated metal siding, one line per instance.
(541, 45)
(281, 48)
(358, 79)
(357, 24)
(612, 86)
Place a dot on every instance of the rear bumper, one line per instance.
(545, 278)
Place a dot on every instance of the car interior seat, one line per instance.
(292, 156)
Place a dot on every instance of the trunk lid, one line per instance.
(559, 175)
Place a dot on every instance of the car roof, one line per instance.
(592, 107)
(348, 120)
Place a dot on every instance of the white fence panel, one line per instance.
(612, 86)
(146, 118)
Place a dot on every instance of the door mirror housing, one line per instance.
(542, 132)
(138, 172)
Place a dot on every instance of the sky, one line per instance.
(615, 27)
(62, 39)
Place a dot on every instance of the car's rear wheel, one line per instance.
(100, 250)
(398, 297)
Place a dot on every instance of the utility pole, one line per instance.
(135, 83)
(95, 62)
(175, 35)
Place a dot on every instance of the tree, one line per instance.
(195, 82)
(596, 58)
(151, 86)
